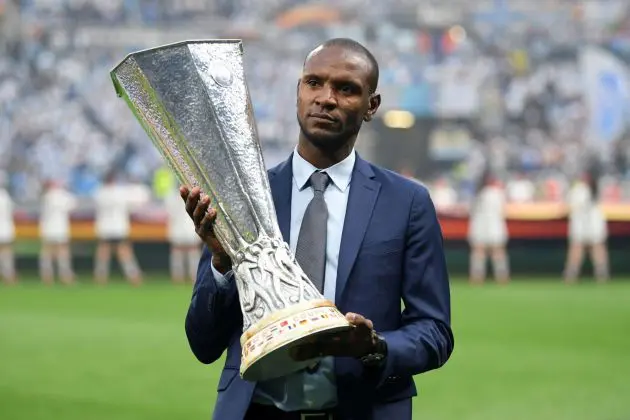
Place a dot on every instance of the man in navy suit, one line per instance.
(383, 245)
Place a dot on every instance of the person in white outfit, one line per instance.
(587, 228)
(7, 236)
(521, 190)
(112, 229)
(185, 243)
(487, 232)
(443, 194)
(54, 228)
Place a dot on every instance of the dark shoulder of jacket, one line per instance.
(271, 172)
(401, 183)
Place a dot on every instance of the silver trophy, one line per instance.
(192, 100)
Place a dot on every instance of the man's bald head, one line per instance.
(356, 48)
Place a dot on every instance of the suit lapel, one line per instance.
(363, 194)
(280, 181)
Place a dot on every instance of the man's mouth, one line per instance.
(322, 116)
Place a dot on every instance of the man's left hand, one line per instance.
(359, 341)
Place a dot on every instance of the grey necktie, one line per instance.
(311, 247)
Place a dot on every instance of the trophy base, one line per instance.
(267, 344)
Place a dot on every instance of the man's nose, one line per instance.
(326, 98)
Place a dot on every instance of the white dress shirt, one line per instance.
(302, 390)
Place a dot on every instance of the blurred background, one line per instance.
(526, 99)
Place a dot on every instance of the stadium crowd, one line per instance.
(517, 79)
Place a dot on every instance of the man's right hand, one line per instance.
(203, 216)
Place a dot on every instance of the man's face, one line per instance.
(334, 96)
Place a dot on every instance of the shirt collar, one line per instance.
(340, 173)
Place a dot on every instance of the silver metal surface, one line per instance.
(192, 100)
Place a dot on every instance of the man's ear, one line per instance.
(375, 102)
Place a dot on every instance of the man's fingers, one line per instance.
(369, 324)
(208, 220)
(192, 200)
(183, 192)
(352, 317)
(200, 211)
(356, 319)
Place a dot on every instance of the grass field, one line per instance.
(532, 350)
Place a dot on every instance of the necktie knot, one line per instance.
(319, 181)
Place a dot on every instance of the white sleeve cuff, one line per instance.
(222, 280)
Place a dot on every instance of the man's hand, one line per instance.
(203, 216)
(358, 342)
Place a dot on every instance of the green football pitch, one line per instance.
(531, 350)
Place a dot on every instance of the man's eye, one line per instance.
(347, 89)
(312, 82)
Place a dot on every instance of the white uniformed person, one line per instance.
(112, 229)
(7, 235)
(54, 227)
(587, 228)
(185, 243)
(487, 232)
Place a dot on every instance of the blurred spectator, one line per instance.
(521, 189)
(487, 232)
(587, 229)
(443, 194)
(54, 228)
(7, 235)
(113, 204)
(184, 241)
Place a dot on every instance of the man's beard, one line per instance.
(328, 142)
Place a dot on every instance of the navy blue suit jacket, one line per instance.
(391, 250)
